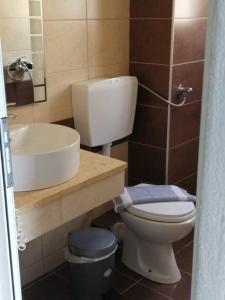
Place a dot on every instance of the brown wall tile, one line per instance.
(147, 98)
(185, 123)
(189, 40)
(133, 181)
(191, 8)
(147, 163)
(155, 77)
(190, 74)
(150, 125)
(150, 44)
(151, 9)
(188, 183)
(150, 40)
(183, 160)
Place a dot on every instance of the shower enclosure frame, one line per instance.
(10, 287)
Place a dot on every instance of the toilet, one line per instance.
(148, 232)
(104, 111)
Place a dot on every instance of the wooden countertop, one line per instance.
(93, 168)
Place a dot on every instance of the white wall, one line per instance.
(209, 251)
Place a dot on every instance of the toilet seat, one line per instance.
(167, 212)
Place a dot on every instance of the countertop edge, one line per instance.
(59, 194)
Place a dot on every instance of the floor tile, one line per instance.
(130, 285)
(178, 246)
(184, 259)
(51, 288)
(142, 293)
(64, 273)
(127, 272)
(122, 283)
(178, 291)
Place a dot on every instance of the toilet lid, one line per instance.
(168, 212)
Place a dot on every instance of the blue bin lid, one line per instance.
(92, 242)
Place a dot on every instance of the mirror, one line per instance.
(21, 32)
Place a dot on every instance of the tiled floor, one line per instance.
(129, 285)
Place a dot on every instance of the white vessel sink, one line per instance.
(43, 155)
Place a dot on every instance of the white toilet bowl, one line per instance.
(148, 232)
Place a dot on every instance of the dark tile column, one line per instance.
(190, 20)
(150, 44)
(165, 150)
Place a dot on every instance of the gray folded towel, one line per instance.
(145, 193)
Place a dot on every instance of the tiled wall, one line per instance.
(84, 39)
(150, 47)
(190, 19)
(48, 251)
(167, 41)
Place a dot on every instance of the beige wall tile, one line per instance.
(59, 97)
(54, 260)
(108, 42)
(44, 112)
(14, 9)
(24, 113)
(31, 273)
(39, 220)
(66, 9)
(107, 9)
(103, 71)
(32, 254)
(54, 240)
(57, 239)
(65, 45)
(109, 71)
(91, 197)
(15, 34)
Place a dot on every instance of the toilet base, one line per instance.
(153, 261)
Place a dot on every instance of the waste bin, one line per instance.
(91, 253)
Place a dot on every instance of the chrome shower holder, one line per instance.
(184, 91)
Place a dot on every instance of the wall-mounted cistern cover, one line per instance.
(104, 109)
